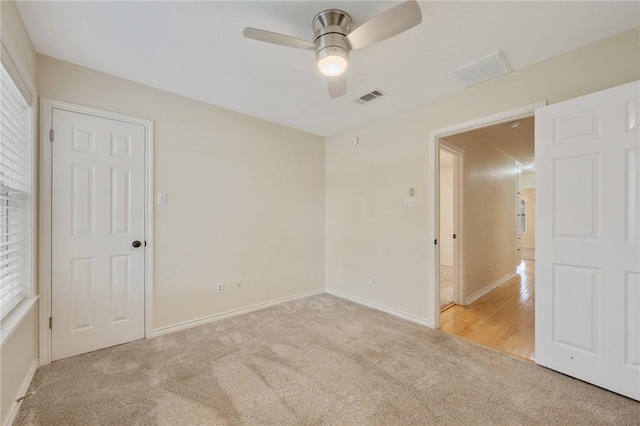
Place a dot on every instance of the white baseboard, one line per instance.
(15, 406)
(217, 317)
(478, 294)
(381, 308)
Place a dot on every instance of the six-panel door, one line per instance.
(97, 213)
(588, 238)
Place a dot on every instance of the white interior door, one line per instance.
(447, 229)
(97, 213)
(588, 237)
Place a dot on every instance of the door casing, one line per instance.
(433, 171)
(46, 113)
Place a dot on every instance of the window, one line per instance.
(522, 214)
(15, 194)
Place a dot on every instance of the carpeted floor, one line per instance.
(320, 360)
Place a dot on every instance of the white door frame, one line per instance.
(45, 240)
(458, 223)
(433, 148)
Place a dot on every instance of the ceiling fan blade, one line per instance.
(275, 38)
(387, 24)
(337, 85)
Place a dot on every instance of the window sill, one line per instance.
(11, 322)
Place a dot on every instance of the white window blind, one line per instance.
(15, 190)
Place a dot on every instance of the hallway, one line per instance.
(503, 319)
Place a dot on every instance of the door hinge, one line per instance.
(435, 242)
(51, 135)
(50, 323)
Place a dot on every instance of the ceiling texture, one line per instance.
(196, 49)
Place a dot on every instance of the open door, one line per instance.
(588, 238)
(449, 223)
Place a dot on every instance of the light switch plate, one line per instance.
(162, 198)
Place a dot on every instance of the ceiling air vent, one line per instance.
(483, 69)
(370, 97)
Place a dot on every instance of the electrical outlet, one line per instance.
(220, 287)
(409, 202)
(238, 285)
(374, 281)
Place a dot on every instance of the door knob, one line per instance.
(455, 236)
(136, 243)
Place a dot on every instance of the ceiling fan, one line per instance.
(333, 38)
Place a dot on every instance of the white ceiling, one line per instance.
(196, 49)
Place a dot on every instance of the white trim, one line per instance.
(148, 233)
(14, 318)
(230, 314)
(497, 283)
(24, 76)
(433, 184)
(15, 406)
(46, 112)
(381, 308)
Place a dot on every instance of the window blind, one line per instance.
(15, 188)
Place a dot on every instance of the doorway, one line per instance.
(495, 299)
(96, 229)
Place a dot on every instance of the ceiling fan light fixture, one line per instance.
(332, 61)
(333, 38)
(332, 65)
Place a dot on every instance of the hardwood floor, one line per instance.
(503, 319)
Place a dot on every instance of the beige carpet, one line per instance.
(319, 360)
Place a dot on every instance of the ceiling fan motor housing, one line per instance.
(331, 28)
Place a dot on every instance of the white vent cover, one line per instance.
(375, 94)
(483, 69)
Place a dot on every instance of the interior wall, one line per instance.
(20, 351)
(529, 237)
(527, 180)
(488, 213)
(245, 197)
(446, 209)
(369, 229)
(19, 354)
(15, 37)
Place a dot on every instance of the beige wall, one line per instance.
(446, 209)
(527, 180)
(16, 39)
(245, 196)
(17, 357)
(20, 351)
(489, 213)
(529, 237)
(369, 230)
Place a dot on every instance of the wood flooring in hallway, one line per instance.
(502, 319)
